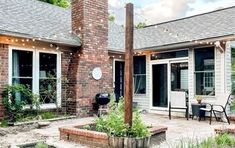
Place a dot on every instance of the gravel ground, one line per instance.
(20, 135)
(178, 129)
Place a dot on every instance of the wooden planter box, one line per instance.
(99, 139)
(120, 142)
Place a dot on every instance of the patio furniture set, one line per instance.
(199, 109)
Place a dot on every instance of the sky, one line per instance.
(157, 11)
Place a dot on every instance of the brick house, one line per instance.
(38, 39)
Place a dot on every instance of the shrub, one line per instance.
(113, 123)
(41, 145)
(15, 97)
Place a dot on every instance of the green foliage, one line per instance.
(113, 123)
(220, 141)
(3, 123)
(30, 115)
(233, 88)
(41, 145)
(111, 18)
(232, 106)
(225, 140)
(87, 127)
(15, 97)
(11, 101)
(60, 3)
(139, 129)
(140, 25)
(48, 115)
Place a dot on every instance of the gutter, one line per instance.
(188, 44)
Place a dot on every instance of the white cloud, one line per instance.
(165, 10)
(209, 5)
(115, 4)
(156, 11)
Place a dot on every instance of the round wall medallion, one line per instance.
(97, 73)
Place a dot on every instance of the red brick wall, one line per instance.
(90, 22)
(68, 102)
(3, 73)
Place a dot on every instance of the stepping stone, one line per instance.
(43, 124)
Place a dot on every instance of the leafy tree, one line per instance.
(140, 25)
(111, 18)
(60, 3)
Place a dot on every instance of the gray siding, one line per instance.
(144, 100)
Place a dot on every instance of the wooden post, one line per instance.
(129, 63)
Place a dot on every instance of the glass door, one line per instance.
(160, 85)
(179, 76)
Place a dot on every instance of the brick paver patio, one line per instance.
(178, 129)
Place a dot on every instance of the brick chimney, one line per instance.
(90, 22)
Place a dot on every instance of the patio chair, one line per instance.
(218, 107)
(179, 101)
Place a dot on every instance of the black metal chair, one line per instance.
(219, 107)
(179, 101)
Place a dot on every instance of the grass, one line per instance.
(219, 141)
(33, 115)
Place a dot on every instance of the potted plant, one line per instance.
(199, 99)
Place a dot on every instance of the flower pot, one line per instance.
(199, 101)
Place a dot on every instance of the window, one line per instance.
(139, 75)
(170, 55)
(233, 67)
(48, 78)
(205, 71)
(22, 69)
(38, 71)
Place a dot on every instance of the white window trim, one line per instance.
(36, 62)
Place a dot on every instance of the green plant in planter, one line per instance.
(139, 129)
(113, 123)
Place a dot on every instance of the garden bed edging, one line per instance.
(99, 139)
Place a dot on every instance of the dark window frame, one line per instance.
(201, 71)
(139, 75)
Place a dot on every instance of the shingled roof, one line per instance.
(32, 18)
(35, 19)
(204, 26)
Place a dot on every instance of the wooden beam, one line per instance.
(129, 63)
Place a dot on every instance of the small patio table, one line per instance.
(196, 110)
